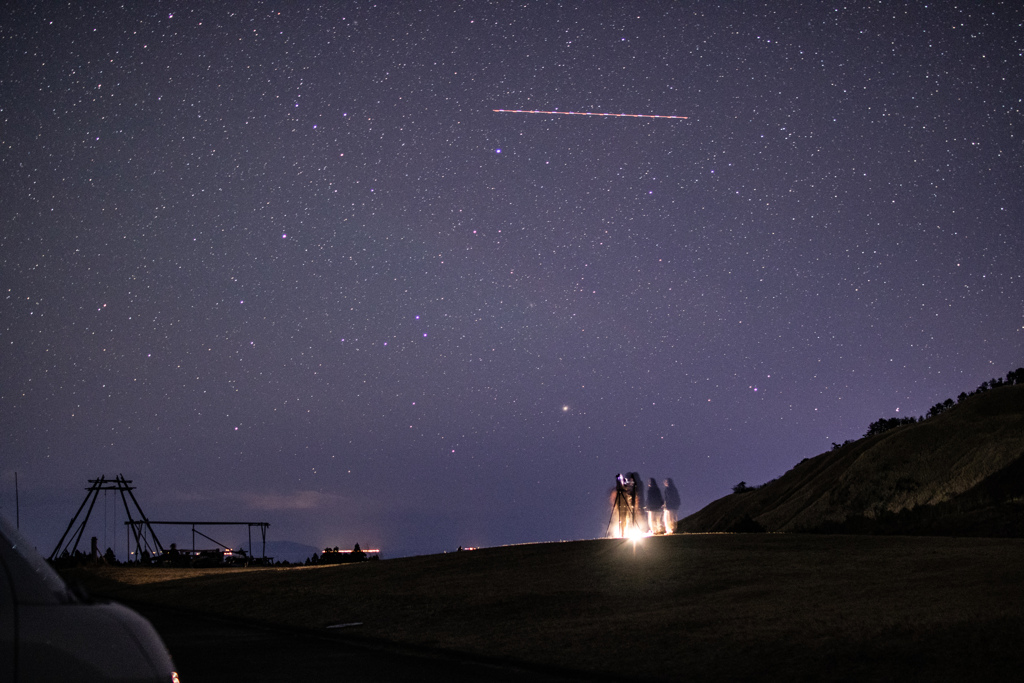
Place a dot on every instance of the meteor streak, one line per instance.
(586, 113)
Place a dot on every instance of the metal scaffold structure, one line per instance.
(137, 521)
(262, 526)
(141, 529)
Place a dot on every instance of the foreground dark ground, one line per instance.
(209, 649)
(691, 607)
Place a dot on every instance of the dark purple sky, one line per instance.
(282, 262)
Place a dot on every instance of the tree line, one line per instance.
(884, 424)
(887, 423)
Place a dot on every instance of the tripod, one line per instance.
(623, 509)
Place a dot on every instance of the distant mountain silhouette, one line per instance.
(290, 551)
(960, 472)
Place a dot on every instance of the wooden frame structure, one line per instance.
(138, 525)
(121, 485)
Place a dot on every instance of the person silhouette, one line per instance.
(671, 506)
(655, 507)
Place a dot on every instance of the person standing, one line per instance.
(655, 506)
(671, 506)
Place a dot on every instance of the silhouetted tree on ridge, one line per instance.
(885, 424)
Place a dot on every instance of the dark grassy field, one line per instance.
(690, 607)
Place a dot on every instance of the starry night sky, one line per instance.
(282, 262)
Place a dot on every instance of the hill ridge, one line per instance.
(864, 485)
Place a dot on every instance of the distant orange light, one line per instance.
(349, 552)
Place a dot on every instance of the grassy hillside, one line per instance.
(960, 472)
